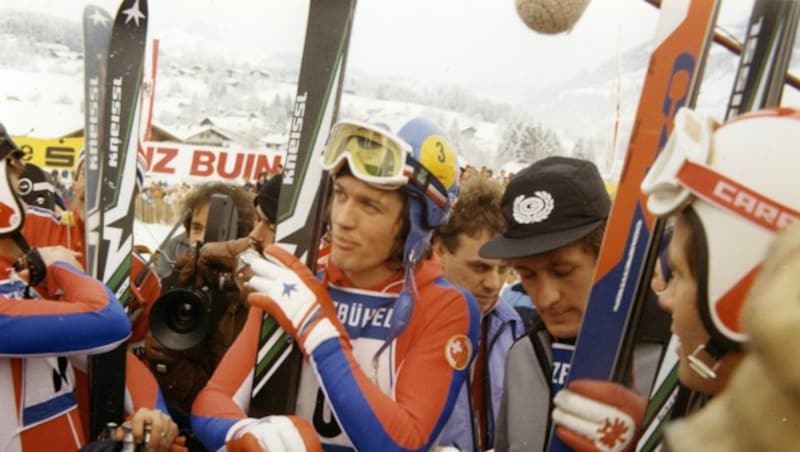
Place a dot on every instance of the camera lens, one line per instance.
(183, 318)
(179, 319)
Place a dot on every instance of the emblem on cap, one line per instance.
(533, 209)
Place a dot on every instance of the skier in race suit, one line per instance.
(388, 341)
(52, 318)
(727, 207)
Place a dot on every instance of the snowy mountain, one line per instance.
(251, 94)
(586, 105)
(41, 89)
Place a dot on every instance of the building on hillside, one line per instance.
(158, 133)
(210, 134)
(275, 141)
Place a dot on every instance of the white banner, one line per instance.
(197, 163)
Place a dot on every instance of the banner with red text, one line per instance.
(170, 162)
(196, 163)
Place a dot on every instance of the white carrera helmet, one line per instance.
(741, 179)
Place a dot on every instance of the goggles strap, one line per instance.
(425, 182)
(736, 198)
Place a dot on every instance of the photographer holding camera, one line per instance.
(201, 312)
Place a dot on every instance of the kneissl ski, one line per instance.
(111, 174)
(97, 25)
(119, 150)
(759, 83)
(303, 193)
(682, 37)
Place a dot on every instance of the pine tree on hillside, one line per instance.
(584, 150)
(523, 142)
(509, 143)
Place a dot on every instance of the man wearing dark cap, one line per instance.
(266, 203)
(555, 212)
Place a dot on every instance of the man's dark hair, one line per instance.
(592, 241)
(398, 248)
(696, 249)
(243, 201)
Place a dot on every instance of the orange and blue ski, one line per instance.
(683, 34)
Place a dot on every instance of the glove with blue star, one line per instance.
(289, 292)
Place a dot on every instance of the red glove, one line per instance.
(273, 434)
(595, 415)
(288, 291)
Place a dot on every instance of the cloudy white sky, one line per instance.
(469, 42)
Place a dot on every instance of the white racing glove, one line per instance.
(272, 434)
(288, 291)
(594, 415)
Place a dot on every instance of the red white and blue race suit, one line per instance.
(43, 341)
(44, 228)
(399, 402)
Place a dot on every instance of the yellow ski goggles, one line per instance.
(373, 154)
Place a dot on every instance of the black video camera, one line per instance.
(183, 316)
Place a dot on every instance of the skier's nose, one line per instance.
(545, 292)
(343, 214)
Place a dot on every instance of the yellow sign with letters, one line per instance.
(55, 153)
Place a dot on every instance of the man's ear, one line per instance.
(438, 247)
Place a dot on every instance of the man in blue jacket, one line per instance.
(476, 218)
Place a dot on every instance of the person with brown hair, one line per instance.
(183, 370)
(194, 225)
(476, 217)
(197, 201)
